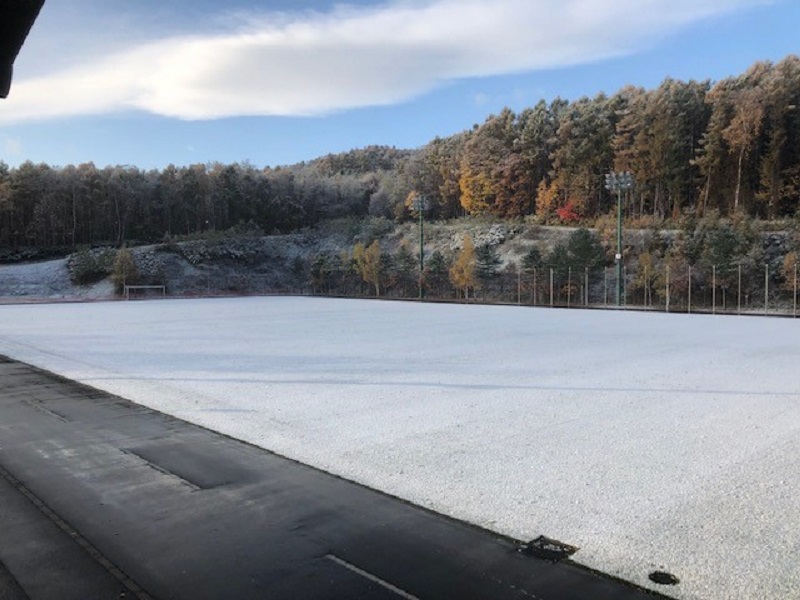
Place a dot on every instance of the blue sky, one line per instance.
(149, 83)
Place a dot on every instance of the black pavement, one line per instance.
(103, 498)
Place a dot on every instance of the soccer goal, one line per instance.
(144, 292)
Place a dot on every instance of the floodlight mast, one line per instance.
(619, 182)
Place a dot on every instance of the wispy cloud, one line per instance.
(315, 63)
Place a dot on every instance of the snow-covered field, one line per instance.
(651, 441)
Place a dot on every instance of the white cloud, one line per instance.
(316, 63)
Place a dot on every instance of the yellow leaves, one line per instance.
(368, 263)
(463, 273)
(477, 192)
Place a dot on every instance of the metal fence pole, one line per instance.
(739, 293)
(667, 309)
(519, 285)
(713, 289)
(586, 286)
(646, 288)
(766, 289)
(795, 290)
(689, 302)
(605, 287)
(624, 287)
(569, 287)
(534, 286)
(551, 287)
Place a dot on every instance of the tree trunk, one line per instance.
(738, 182)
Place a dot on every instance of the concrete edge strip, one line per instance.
(371, 577)
(518, 544)
(93, 552)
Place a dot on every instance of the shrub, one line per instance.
(88, 266)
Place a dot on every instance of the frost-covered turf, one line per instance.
(651, 441)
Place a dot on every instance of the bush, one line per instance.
(88, 266)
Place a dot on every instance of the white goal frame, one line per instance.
(160, 288)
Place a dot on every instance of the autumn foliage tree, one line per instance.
(464, 273)
(368, 264)
(124, 271)
(693, 148)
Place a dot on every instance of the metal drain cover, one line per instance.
(547, 549)
(663, 578)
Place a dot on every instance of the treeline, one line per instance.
(44, 206)
(692, 147)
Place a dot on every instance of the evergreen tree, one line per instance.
(487, 264)
(436, 274)
(584, 250)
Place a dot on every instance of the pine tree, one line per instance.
(436, 274)
(404, 271)
(487, 264)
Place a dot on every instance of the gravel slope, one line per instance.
(46, 280)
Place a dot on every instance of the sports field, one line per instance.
(650, 441)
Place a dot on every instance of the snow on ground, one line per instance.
(651, 441)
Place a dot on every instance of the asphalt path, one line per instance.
(103, 498)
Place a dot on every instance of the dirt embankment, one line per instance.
(225, 264)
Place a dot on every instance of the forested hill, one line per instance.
(732, 147)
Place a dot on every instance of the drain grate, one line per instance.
(547, 549)
(664, 578)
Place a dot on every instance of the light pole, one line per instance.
(619, 182)
(421, 204)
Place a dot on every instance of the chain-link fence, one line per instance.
(733, 289)
(745, 289)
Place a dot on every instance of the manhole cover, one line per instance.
(662, 578)
(547, 549)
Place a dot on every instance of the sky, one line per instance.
(276, 82)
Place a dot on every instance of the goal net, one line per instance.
(144, 292)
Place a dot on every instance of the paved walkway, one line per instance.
(103, 498)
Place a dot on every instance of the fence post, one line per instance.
(605, 287)
(766, 289)
(689, 303)
(551, 287)
(667, 288)
(569, 287)
(534, 286)
(646, 288)
(519, 285)
(586, 286)
(714, 289)
(624, 287)
(739, 293)
(795, 290)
